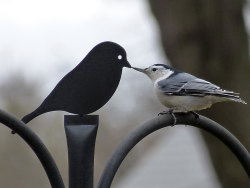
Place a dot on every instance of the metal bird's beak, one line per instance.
(127, 65)
(140, 70)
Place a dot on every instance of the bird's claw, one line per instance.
(171, 113)
(163, 112)
(195, 114)
(175, 120)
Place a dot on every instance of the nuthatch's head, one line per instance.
(156, 71)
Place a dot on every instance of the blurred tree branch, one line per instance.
(208, 39)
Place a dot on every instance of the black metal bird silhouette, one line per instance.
(89, 85)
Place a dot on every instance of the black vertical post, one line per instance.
(81, 135)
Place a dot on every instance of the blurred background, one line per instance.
(40, 41)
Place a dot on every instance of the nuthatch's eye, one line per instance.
(119, 57)
(154, 69)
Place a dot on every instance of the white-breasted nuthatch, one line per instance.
(183, 92)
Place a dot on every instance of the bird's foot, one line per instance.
(163, 112)
(195, 114)
(171, 112)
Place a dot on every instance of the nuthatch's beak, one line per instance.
(140, 70)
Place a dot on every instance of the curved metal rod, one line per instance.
(37, 146)
(167, 120)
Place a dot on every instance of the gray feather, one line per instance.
(184, 84)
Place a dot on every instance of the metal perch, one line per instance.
(36, 145)
(82, 167)
(164, 121)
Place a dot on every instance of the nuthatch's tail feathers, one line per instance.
(236, 99)
(228, 95)
(232, 96)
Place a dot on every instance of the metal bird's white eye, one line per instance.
(119, 57)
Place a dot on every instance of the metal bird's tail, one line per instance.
(26, 119)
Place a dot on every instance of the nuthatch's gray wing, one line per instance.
(184, 84)
(175, 83)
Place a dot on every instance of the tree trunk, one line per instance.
(208, 39)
